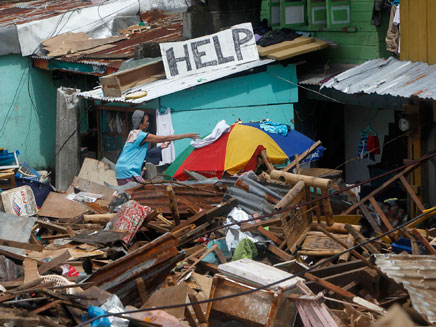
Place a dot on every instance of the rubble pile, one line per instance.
(266, 248)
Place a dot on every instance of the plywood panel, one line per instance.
(420, 20)
(431, 32)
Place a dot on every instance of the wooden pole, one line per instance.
(173, 205)
(290, 196)
(322, 183)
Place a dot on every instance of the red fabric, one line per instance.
(252, 163)
(207, 161)
(130, 218)
(373, 145)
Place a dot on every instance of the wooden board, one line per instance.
(302, 49)
(263, 51)
(115, 84)
(168, 296)
(88, 186)
(97, 172)
(57, 206)
(317, 243)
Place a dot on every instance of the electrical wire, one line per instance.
(256, 289)
(305, 88)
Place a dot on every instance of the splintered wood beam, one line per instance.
(370, 218)
(280, 253)
(328, 212)
(268, 164)
(423, 241)
(197, 308)
(412, 194)
(290, 196)
(381, 214)
(270, 235)
(173, 205)
(21, 245)
(360, 239)
(302, 156)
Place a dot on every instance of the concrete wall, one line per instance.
(357, 118)
(23, 126)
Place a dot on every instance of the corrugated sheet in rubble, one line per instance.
(196, 197)
(388, 77)
(418, 275)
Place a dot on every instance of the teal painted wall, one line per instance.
(203, 121)
(29, 128)
(254, 89)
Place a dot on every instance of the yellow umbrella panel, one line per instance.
(243, 141)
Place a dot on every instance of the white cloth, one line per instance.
(165, 127)
(396, 21)
(219, 130)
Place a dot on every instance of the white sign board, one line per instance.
(223, 49)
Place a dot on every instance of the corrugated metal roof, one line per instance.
(163, 87)
(320, 76)
(418, 275)
(388, 77)
(24, 12)
(169, 27)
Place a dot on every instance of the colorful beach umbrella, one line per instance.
(232, 151)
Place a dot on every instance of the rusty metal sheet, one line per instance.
(198, 197)
(262, 308)
(24, 12)
(152, 262)
(418, 275)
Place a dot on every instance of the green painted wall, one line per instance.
(368, 42)
(357, 47)
(27, 111)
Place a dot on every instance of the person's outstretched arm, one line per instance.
(151, 138)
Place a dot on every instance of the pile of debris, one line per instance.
(266, 248)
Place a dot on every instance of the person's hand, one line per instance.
(165, 145)
(193, 136)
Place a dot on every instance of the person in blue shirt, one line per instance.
(129, 164)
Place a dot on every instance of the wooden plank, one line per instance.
(360, 239)
(173, 205)
(370, 218)
(302, 49)
(220, 255)
(412, 193)
(302, 156)
(56, 205)
(431, 32)
(206, 215)
(254, 225)
(30, 270)
(54, 262)
(302, 40)
(91, 187)
(280, 253)
(270, 235)
(21, 245)
(190, 318)
(191, 267)
(380, 188)
(381, 214)
(423, 241)
(97, 172)
(141, 290)
(197, 308)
